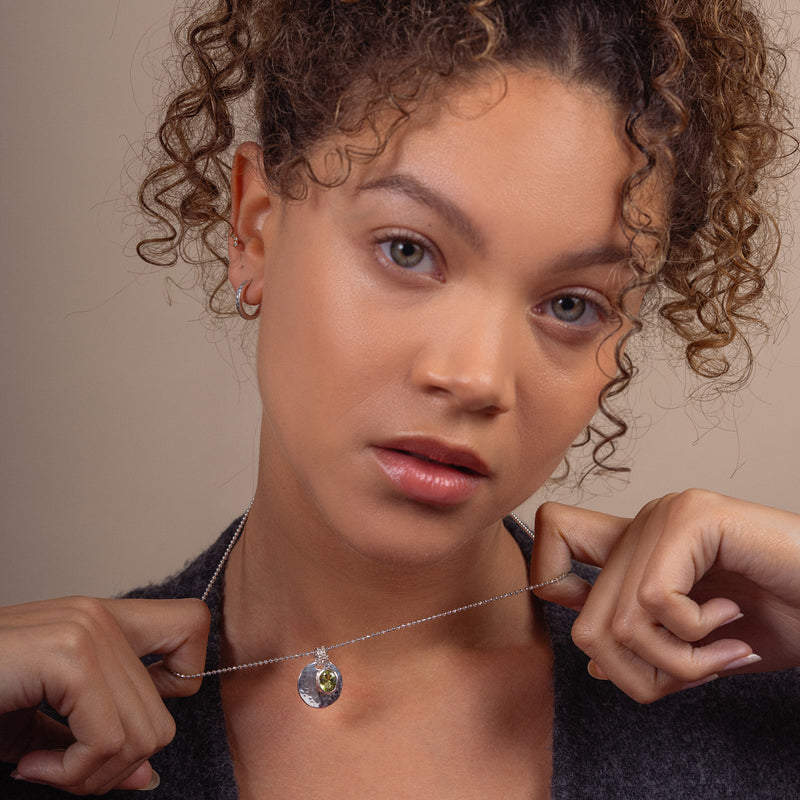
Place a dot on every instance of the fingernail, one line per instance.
(732, 619)
(595, 671)
(17, 777)
(702, 681)
(155, 782)
(743, 662)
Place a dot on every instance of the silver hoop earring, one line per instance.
(240, 301)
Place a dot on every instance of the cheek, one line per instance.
(315, 343)
(561, 401)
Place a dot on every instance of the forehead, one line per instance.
(529, 148)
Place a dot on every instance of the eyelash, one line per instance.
(389, 238)
(602, 308)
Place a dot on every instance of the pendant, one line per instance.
(320, 682)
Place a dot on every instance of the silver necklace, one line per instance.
(320, 682)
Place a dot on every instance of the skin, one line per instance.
(696, 586)
(355, 350)
(466, 348)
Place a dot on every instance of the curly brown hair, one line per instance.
(696, 81)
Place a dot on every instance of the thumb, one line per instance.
(29, 729)
(563, 534)
(175, 629)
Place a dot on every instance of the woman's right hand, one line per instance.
(82, 656)
(696, 586)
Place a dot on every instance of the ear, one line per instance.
(251, 204)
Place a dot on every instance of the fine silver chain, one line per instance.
(264, 661)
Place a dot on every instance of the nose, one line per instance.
(470, 358)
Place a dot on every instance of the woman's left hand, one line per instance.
(696, 586)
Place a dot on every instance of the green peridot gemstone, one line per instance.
(327, 680)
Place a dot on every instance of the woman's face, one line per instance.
(435, 332)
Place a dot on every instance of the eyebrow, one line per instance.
(417, 191)
(592, 257)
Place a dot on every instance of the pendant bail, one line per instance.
(321, 657)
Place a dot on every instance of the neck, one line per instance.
(280, 601)
(293, 583)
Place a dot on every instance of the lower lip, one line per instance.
(427, 481)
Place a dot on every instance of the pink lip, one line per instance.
(430, 471)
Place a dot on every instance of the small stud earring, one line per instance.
(235, 240)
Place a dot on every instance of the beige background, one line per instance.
(129, 428)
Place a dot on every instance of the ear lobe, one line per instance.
(251, 204)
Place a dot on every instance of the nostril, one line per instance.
(474, 372)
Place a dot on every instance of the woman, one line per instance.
(455, 217)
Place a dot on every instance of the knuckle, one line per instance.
(92, 786)
(651, 595)
(84, 604)
(114, 741)
(165, 733)
(649, 690)
(86, 618)
(692, 496)
(545, 512)
(649, 507)
(546, 519)
(646, 696)
(90, 611)
(584, 636)
(668, 501)
(624, 629)
(168, 732)
(74, 641)
(692, 500)
(147, 744)
(157, 735)
(198, 611)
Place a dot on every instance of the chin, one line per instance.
(425, 538)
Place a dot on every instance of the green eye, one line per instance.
(568, 309)
(405, 253)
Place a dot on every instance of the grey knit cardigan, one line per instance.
(737, 737)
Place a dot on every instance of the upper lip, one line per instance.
(442, 452)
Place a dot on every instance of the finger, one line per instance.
(658, 648)
(636, 678)
(89, 673)
(176, 629)
(564, 533)
(94, 720)
(94, 764)
(29, 729)
(147, 724)
(144, 779)
(593, 668)
(571, 591)
(642, 680)
(588, 536)
(629, 647)
(645, 682)
(674, 566)
(685, 618)
(50, 768)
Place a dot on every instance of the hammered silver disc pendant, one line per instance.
(320, 682)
